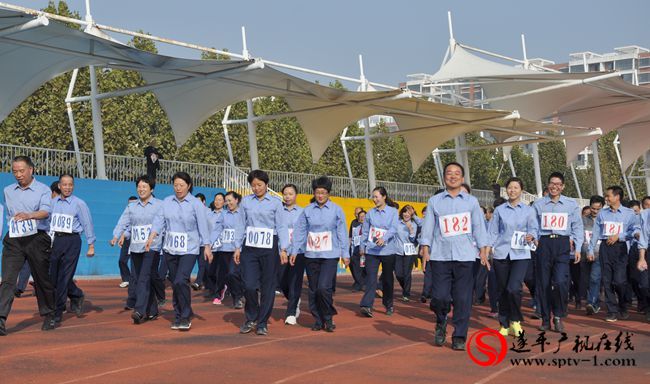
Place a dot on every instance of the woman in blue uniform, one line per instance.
(256, 248)
(405, 246)
(183, 218)
(292, 276)
(321, 227)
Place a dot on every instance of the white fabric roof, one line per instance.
(581, 99)
(190, 91)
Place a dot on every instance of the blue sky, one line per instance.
(396, 38)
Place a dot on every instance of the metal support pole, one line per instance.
(370, 160)
(620, 164)
(512, 166)
(575, 180)
(436, 162)
(462, 158)
(597, 173)
(646, 171)
(73, 128)
(97, 125)
(538, 172)
(227, 136)
(252, 129)
(347, 163)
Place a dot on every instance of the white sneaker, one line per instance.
(298, 309)
(290, 320)
(124, 284)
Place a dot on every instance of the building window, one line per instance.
(608, 65)
(628, 77)
(624, 64)
(645, 62)
(595, 67)
(644, 78)
(577, 68)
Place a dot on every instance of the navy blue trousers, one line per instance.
(320, 275)
(63, 265)
(613, 267)
(427, 287)
(223, 271)
(552, 277)
(203, 267)
(483, 278)
(510, 280)
(404, 273)
(23, 278)
(147, 282)
(453, 281)
(291, 283)
(123, 262)
(180, 270)
(387, 282)
(358, 272)
(259, 267)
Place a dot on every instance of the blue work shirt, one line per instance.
(404, 236)
(77, 217)
(644, 229)
(138, 217)
(182, 217)
(321, 231)
(565, 213)
(385, 220)
(265, 213)
(33, 198)
(462, 234)
(622, 221)
(507, 220)
(290, 216)
(227, 225)
(355, 233)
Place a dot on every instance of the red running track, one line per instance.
(105, 347)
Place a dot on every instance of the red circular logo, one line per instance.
(490, 354)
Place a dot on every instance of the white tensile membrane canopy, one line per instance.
(34, 50)
(599, 99)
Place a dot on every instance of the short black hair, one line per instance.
(322, 182)
(466, 186)
(132, 198)
(644, 199)
(596, 199)
(219, 194)
(146, 179)
(515, 180)
(259, 175)
(185, 177)
(617, 190)
(66, 175)
(498, 201)
(559, 175)
(633, 203)
(54, 187)
(586, 207)
(462, 169)
(200, 196)
(293, 186)
(235, 195)
(25, 159)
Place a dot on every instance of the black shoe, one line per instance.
(441, 334)
(423, 300)
(536, 316)
(152, 317)
(366, 311)
(137, 318)
(329, 326)
(195, 286)
(18, 293)
(544, 327)
(247, 327)
(128, 308)
(175, 325)
(611, 317)
(185, 325)
(239, 304)
(647, 316)
(390, 311)
(458, 343)
(58, 319)
(578, 305)
(3, 327)
(49, 323)
(558, 326)
(317, 327)
(262, 330)
(77, 305)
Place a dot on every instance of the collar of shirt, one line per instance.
(286, 208)
(381, 210)
(265, 197)
(64, 199)
(27, 187)
(610, 209)
(327, 204)
(187, 198)
(143, 204)
(447, 194)
(561, 200)
(518, 205)
(236, 210)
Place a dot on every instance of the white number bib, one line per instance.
(518, 240)
(215, 246)
(454, 225)
(409, 249)
(259, 237)
(611, 228)
(319, 241)
(228, 236)
(376, 233)
(176, 242)
(356, 240)
(588, 236)
(552, 221)
(22, 228)
(61, 223)
(140, 234)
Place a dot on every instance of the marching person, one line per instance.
(293, 273)
(183, 218)
(405, 247)
(357, 264)
(28, 205)
(511, 231)
(613, 227)
(123, 261)
(560, 237)
(642, 264)
(592, 267)
(453, 223)
(256, 249)
(138, 218)
(321, 226)
(69, 218)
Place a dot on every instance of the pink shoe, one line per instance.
(216, 301)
